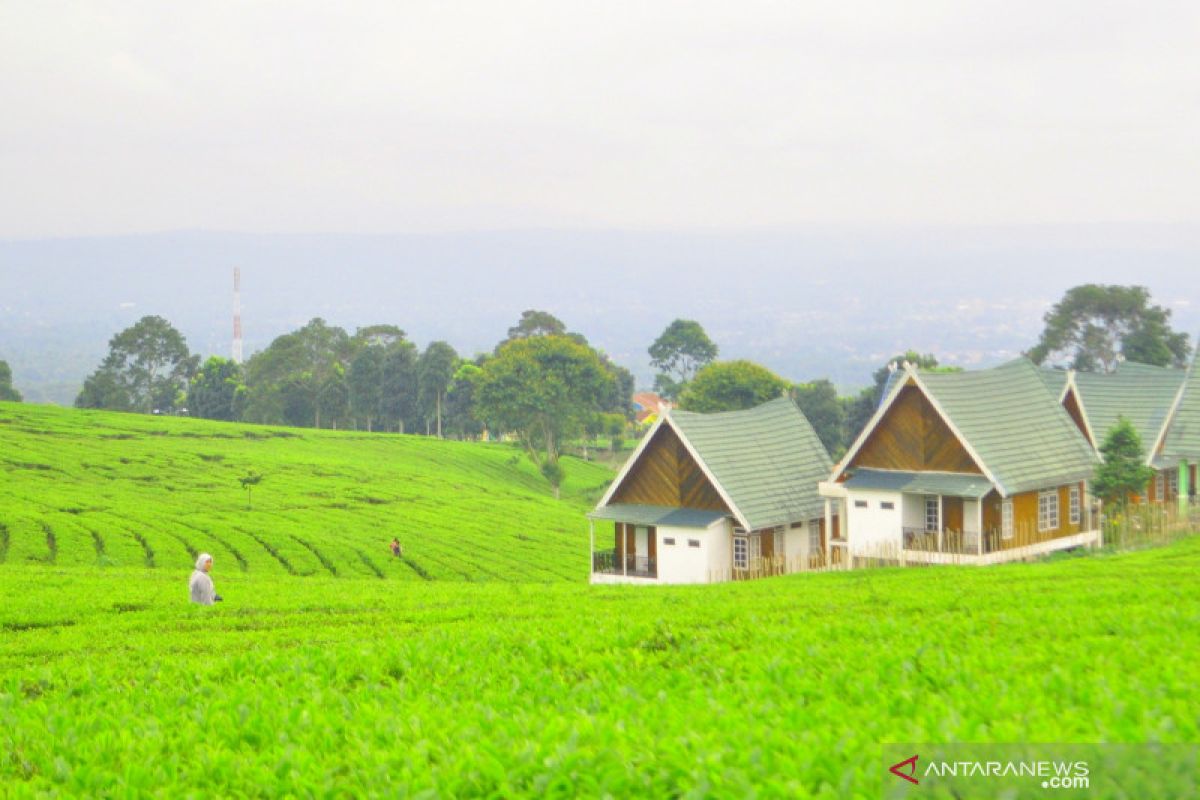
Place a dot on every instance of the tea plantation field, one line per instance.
(95, 489)
(111, 684)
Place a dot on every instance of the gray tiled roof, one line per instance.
(1015, 424)
(1141, 393)
(767, 459)
(1055, 380)
(945, 483)
(658, 515)
(1183, 436)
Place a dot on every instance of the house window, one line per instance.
(1074, 500)
(1159, 487)
(693, 542)
(796, 525)
(814, 537)
(1048, 511)
(779, 546)
(741, 552)
(668, 540)
(755, 549)
(933, 514)
(1006, 520)
(860, 503)
(887, 505)
(1173, 483)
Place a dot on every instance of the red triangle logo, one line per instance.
(899, 769)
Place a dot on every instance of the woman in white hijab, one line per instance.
(201, 585)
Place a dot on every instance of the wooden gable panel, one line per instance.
(912, 437)
(667, 475)
(1071, 404)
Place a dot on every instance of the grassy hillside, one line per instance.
(111, 683)
(87, 489)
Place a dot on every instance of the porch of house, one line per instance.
(640, 533)
(943, 518)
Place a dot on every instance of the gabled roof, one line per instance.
(1007, 419)
(1181, 439)
(1055, 380)
(951, 484)
(1142, 394)
(764, 461)
(768, 459)
(1015, 425)
(658, 515)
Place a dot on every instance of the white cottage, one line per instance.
(715, 497)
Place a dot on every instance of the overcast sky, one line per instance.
(432, 116)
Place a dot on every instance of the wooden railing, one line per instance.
(610, 562)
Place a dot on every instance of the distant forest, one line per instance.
(542, 384)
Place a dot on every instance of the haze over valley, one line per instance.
(823, 302)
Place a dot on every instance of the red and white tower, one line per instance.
(237, 315)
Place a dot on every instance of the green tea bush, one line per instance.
(112, 684)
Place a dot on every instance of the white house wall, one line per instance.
(914, 511)
(874, 528)
(720, 553)
(795, 543)
(682, 563)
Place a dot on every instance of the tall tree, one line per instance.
(678, 353)
(731, 386)
(364, 381)
(147, 368)
(1123, 472)
(399, 385)
(544, 389)
(620, 398)
(381, 377)
(300, 377)
(460, 417)
(825, 411)
(7, 392)
(435, 371)
(217, 390)
(537, 323)
(1095, 324)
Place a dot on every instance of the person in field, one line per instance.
(395, 547)
(201, 585)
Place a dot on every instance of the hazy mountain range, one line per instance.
(830, 302)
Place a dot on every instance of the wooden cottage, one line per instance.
(969, 467)
(714, 497)
(1161, 405)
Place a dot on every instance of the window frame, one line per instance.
(1048, 511)
(933, 513)
(1006, 519)
(1074, 504)
(744, 561)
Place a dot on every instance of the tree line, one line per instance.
(1092, 328)
(543, 384)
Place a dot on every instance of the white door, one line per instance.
(641, 544)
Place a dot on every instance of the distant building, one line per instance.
(649, 404)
